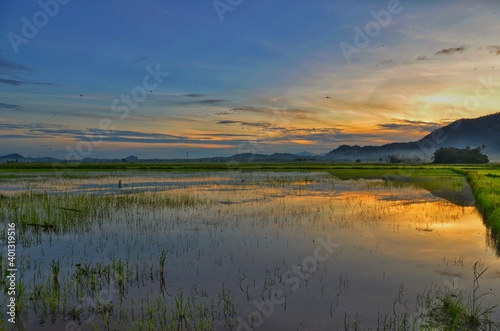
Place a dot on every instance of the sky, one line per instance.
(175, 79)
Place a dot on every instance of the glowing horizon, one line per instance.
(161, 80)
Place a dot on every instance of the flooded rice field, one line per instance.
(237, 251)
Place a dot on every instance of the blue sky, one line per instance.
(270, 76)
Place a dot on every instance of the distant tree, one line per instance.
(394, 158)
(457, 155)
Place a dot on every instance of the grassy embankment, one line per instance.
(485, 184)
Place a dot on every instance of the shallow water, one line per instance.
(262, 237)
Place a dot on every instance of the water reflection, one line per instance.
(247, 235)
(454, 189)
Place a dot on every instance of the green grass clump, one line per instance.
(486, 187)
(38, 213)
(457, 311)
(440, 308)
(156, 200)
(451, 314)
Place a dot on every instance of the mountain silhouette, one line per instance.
(481, 132)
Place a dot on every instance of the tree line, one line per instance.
(457, 155)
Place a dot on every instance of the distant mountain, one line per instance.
(45, 159)
(305, 154)
(276, 157)
(131, 158)
(481, 132)
(15, 157)
(478, 132)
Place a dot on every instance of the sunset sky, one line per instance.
(162, 78)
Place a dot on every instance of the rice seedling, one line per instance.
(182, 307)
(230, 238)
(56, 268)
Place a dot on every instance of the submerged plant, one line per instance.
(109, 249)
(182, 307)
(56, 268)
